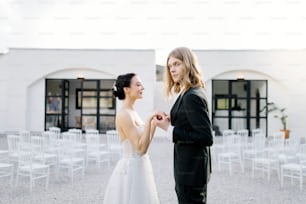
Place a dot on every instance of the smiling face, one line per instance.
(135, 90)
(176, 69)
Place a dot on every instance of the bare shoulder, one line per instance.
(124, 117)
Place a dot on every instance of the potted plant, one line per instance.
(271, 107)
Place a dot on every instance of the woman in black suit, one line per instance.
(192, 129)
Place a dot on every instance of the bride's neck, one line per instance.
(128, 104)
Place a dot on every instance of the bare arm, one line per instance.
(140, 140)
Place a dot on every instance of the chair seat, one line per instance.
(96, 154)
(45, 156)
(293, 171)
(292, 167)
(115, 147)
(3, 152)
(5, 165)
(71, 160)
(34, 166)
(228, 154)
(7, 170)
(264, 160)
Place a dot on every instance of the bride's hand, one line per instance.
(162, 121)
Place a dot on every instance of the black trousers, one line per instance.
(191, 194)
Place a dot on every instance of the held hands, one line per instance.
(162, 120)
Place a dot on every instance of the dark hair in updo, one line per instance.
(121, 82)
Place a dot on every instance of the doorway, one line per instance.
(237, 104)
(80, 103)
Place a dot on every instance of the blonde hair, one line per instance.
(192, 73)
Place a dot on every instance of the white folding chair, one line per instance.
(13, 144)
(256, 146)
(293, 171)
(42, 155)
(78, 134)
(95, 151)
(7, 170)
(71, 158)
(231, 152)
(244, 138)
(113, 142)
(266, 161)
(56, 130)
(4, 155)
(25, 136)
(29, 168)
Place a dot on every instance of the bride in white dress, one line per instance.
(132, 181)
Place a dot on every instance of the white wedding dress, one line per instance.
(132, 181)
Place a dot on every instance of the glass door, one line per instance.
(57, 103)
(258, 91)
(65, 106)
(107, 106)
(89, 104)
(53, 107)
(237, 105)
(238, 90)
(80, 103)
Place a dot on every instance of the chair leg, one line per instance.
(282, 176)
(12, 175)
(17, 178)
(253, 168)
(301, 179)
(47, 178)
(31, 183)
(83, 168)
(241, 165)
(71, 171)
(268, 171)
(230, 166)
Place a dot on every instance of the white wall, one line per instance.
(285, 71)
(23, 73)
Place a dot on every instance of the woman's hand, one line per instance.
(162, 120)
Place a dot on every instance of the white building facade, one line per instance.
(24, 72)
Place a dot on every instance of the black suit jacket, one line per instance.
(192, 135)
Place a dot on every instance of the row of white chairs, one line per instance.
(286, 157)
(38, 156)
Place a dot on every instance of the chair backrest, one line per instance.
(258, 140)
(277, 140)
(92, 131)
(227, 132)
(301, 153)
(92, 139)
(92, 142)
(68, 136)
(112, 137)
(77, 134)
(38, 144)
(13, 143)
(25, 136)
(56, 130)
(46, 135)
(244, 135)
(256, 131)
(25, 157)
(243, 132)
(52, 136)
